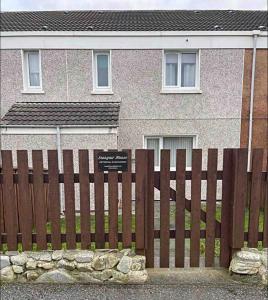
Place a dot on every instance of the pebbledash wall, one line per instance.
(213, 116)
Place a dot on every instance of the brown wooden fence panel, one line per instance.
(150, 211)
(164, 208)
(226, 208)
(140, 198)
(69, 198)
(10, 211)
(54, 198)
(39, 199)
(196, 207)
(240, 197)
(113, 208)
(99, 203)
(25, 204)
(255, 198)
(127, 204)
(180, 208)
(211, 206)
(84, 198)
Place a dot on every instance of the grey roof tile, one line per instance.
(63, 113)
(156, 20)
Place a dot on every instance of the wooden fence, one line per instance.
(30, 199)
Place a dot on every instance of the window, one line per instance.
(32, 79)
(172, 144)
(180, 71)
(102, 72)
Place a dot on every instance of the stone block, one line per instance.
(56, 276)
(4, 261)
(7, 274)
(19, 260)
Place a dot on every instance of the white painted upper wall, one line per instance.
(132, 40)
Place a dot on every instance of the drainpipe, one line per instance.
(255, 36)
(60, 166)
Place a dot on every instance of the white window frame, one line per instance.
(161, 144)
(27, 88)
(100, 89)
(178, 88)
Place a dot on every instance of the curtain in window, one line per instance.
(171, 69)
(102, 70)
(174, 143)
(188, 67)
(154, 144)
(34, 76)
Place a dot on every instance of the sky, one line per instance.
(18, 5)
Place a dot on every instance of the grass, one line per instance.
(172, 222)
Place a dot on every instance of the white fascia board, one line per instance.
(34, 130)
(130, 33)
(131, 40)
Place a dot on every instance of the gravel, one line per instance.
(146, 292)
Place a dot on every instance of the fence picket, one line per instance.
(149, 208)
(69, 198)
(265, 213)
(10, 210)
(211, 206)
(180, 208)
(127, 204)
(25, 204)
(39, 199)
(164, 208)
(113, 208)
(2, 223)
(84, 199)
(54, 198)
(265, 210)
(140, 198)
(240, 197)
(195, 207)
(99, 203)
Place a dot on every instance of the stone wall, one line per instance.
(250, 261)
(70, 266)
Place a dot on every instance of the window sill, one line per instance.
(99, 92)
(180, 91)
(33, 91)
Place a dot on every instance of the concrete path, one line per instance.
(175, 284)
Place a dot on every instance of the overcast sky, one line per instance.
(15, 5)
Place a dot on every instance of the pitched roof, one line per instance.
(154, 20)
(63, 113)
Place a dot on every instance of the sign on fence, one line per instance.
(113, 161)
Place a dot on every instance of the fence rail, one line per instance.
(30, 204)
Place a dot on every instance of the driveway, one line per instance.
(163, 284)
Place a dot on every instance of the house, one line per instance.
(133, 79)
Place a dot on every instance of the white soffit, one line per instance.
(28, 130)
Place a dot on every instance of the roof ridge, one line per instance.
(132, 10)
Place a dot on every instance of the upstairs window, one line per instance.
(102, 71)
(180, 71)
(172, 144)
(32, 70)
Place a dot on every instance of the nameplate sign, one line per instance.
(113, 161)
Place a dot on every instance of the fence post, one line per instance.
(239, 198)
